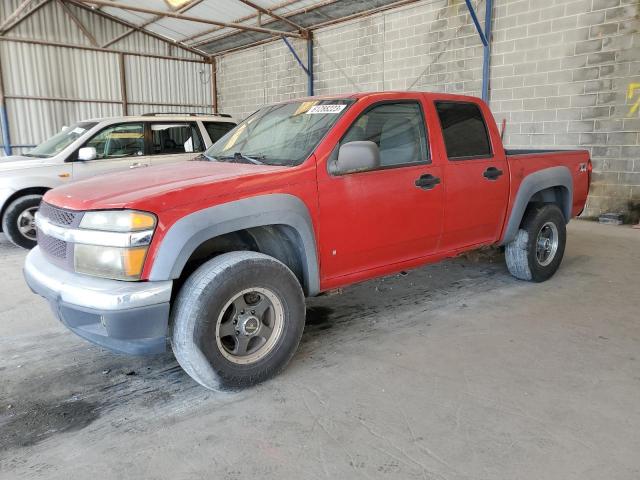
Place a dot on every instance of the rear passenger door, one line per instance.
(476, 177)
(171, 142)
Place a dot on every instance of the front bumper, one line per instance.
(126, 317)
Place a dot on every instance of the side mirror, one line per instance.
(87, 153)
(356, 157)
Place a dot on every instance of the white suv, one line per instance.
(94, 147)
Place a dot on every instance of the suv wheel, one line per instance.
(536, 252)
(19, 221)
(237, 320)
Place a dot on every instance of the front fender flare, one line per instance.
(189, 232)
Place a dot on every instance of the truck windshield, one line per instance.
(60, 141)
(282, 134)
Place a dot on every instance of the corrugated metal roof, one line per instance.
(211, 39)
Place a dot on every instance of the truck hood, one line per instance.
(19, 162)
(152, 188)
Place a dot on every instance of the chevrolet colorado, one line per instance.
(218, 254)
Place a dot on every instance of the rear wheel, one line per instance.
(19, 221)
(536, 252)
(237, 320)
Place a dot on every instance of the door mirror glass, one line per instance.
(357, 157)
(87, 153)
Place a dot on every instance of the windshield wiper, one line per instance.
(256, 159)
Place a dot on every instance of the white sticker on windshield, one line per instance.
(78, 130)
(326, 109)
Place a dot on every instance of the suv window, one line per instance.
(397, 128)
(168, 138)
(117, 141)
(217, 129)
(464, 130)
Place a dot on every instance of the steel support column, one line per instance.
(310, 65)
(485, 38)
(486, 62)
(308, 69)
(4, 118)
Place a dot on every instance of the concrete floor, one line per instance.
(453, 371)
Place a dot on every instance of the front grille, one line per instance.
(58, 251)
(59, 216)
(52, 246)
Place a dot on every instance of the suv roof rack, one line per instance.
(187, 114)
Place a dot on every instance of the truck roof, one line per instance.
(387, 94)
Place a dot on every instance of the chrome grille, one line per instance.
(59, 216)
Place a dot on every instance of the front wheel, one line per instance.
(237, 320)
(536, 252)
(19, 221)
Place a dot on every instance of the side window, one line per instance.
(465, 133)
(172, 138)
(397, 128)
(117, 141)
(217, 129)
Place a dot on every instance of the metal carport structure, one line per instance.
(203, 30)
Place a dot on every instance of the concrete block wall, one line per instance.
(561, 73)
(561, 77)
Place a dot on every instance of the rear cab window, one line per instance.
(464, 130)
(216, 130)
(167, 138)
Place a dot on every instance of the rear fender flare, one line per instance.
(191, 231)
(532, 184)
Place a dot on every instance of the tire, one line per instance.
(204, 311)
(19, 213)
(525, 260)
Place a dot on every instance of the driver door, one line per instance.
(118, 147)
(383, 217)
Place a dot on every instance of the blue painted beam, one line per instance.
(295, 54)
(4, 121)
(486, 61)
(476, 22)
(308, 69)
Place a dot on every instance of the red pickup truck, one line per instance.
(218, 254)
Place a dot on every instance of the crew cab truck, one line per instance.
(217, 255)
(95, 147)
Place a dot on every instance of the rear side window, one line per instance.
(464, 130)
(217, 129)
(168, 138)
(398, 129)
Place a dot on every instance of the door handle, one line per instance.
(492, 173)
(427, 181)
(138, 165)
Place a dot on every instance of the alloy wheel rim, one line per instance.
(547, 243)
(249, 325)
(27, 223)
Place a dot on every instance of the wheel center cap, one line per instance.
(250, 326)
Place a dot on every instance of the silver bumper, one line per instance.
(96, 293)
(126, 317)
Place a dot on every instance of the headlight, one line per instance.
(110, 262)
(118, 221)
(113, 244)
